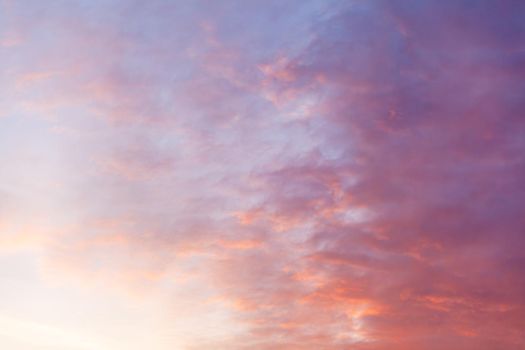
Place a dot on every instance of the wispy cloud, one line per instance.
(263, 175)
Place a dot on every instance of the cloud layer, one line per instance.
(264, 174)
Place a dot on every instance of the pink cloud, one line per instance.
(357, 187)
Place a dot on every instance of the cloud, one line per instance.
(350, 176)
(425, 117)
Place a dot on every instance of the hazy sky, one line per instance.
(262, 174)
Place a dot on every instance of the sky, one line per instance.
(262, 174)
